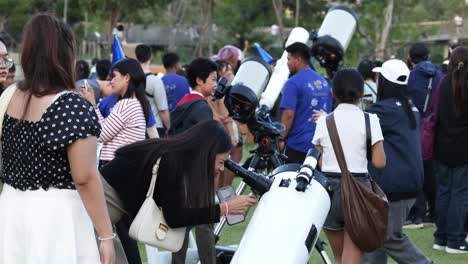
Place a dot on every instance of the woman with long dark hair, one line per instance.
(190, 164)
(451, 156)
(402, 177)
(52, 191)
(127, 121)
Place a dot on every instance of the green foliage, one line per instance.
(405, 29)
(247, 17)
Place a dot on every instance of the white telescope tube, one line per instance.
(281, 72)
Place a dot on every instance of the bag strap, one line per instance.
(428, 95)
(434, 104)
(368, 137)
(147, 75)
(153, 179)
(370, 87)
(335, 140)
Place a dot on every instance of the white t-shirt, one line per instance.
(351, 127)
(156, 94)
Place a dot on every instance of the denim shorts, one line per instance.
(335, 219)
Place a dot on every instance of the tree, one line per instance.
(386, 30)
(207, 6)
(278, 7)
(112, 11)
(175, 16)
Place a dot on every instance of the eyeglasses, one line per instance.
(6, 62)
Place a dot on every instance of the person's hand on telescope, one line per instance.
(238, 204)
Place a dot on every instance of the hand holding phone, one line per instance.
(88, 92)
(237, 205)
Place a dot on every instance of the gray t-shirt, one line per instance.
(156, 94)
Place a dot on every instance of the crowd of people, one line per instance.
(58, 194)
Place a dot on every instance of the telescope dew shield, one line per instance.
(246, 88)
(281, 73)
(307, 170)
(334, 36)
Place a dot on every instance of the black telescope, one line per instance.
(257, 182)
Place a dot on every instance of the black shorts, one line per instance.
(335, 219)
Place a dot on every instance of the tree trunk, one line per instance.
(380, 52)
(2, 23)
(298, 9)
(278, 7)
(114, 17)
(204, 28)
(175, 18)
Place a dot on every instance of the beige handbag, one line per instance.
(4, 102)
(149, 225)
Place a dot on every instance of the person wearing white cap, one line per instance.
(402, 177)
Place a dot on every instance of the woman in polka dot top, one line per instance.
(52, 197)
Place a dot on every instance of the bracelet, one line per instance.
(107, 238)
(227, 209)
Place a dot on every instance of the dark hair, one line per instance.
(458, 76)
(47, 56)
(387, 89)
(365, 69)
(200, 68)
(103, 69)
(378, 63)
(143, 53)
(196, 149)
(348, 86)
(94, 61)
(170, 59)
(299, 49)
(82, 69)
(137, 83)
(419, 52)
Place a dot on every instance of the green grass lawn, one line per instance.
(421, 237)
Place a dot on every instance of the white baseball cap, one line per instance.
(394, 69)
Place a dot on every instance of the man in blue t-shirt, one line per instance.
(304, 94)
(176, 85)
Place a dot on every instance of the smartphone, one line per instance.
(225, 194)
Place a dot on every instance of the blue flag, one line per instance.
(263, 54)
(117, 52)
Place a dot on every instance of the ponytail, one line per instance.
(458, 74)
(459, 89)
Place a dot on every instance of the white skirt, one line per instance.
(45, 227)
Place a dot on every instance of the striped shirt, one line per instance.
(125, 125)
